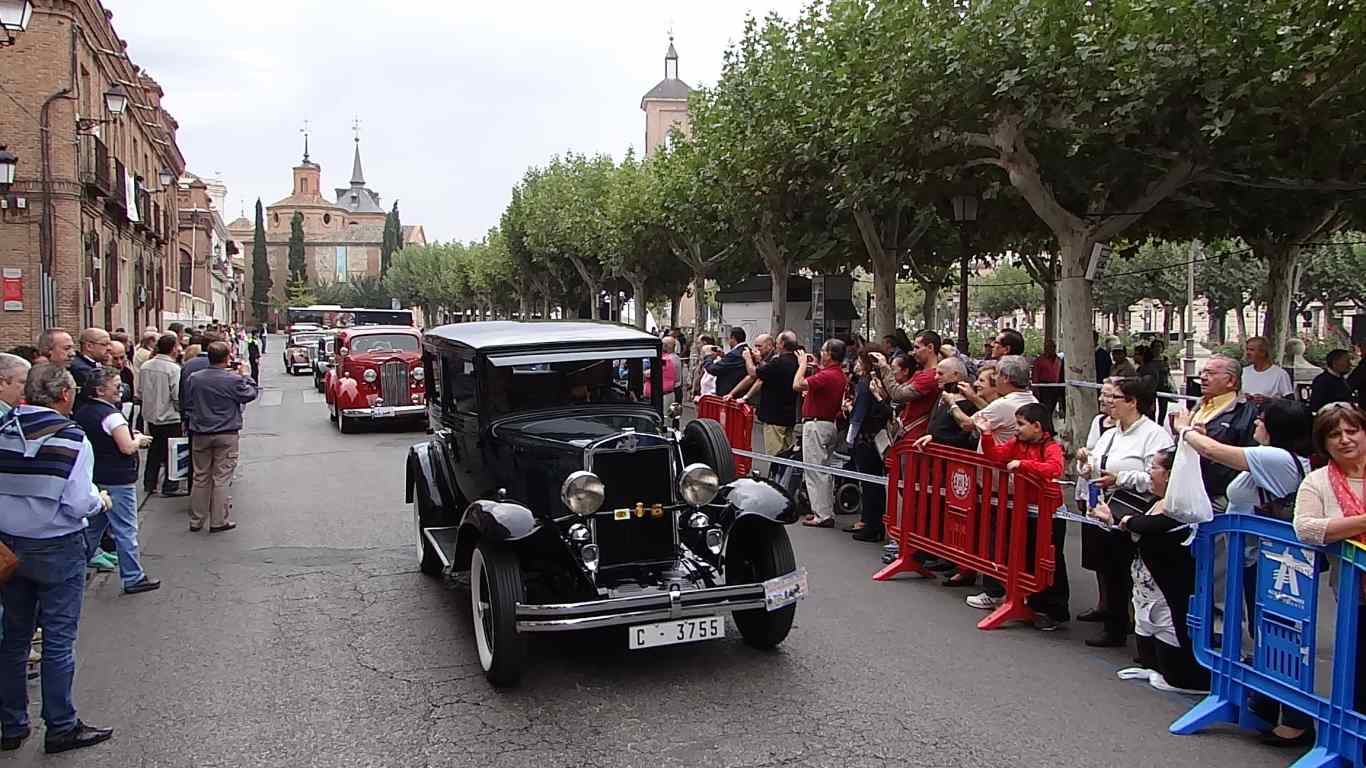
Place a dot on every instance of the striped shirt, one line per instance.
(46, 473)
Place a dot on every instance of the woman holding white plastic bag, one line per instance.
(1163, 572)
(1269, 476)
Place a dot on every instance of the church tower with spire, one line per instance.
(666, 104)
(357, 198)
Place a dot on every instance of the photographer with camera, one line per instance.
(824, 392)
(772, 368)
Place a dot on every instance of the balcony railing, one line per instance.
(158, 222)
(94, 167)
(119, 195)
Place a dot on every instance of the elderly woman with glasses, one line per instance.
(1331, 504)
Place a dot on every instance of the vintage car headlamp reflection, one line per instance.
(583, 492)
(698, 485)
(579, 533)
(369, 375)
(698, 520)
(714, 541)
(419, 374)
(589, 555)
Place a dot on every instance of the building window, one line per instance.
(303, 185)
(327, 218)
(275, 218)
(186, 272)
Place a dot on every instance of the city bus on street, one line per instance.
(337, 316)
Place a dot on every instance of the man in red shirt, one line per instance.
(1048, 370)
(824, 392)
(911, 383)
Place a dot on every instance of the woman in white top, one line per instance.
(1269, 474)
(1085, 473)
(1120, 461)
(1331, 504)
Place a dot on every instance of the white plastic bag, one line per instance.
(1186, 499)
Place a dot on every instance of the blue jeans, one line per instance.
(45, 591)
(122, 520)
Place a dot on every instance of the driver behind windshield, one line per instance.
(592, 383)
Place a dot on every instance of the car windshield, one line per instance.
(384, 342)
(524, 386)
(304, 340)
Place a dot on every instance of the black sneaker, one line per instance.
(76, 738)
(145, 584)
(11, 743)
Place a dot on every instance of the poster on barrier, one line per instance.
(177, 458)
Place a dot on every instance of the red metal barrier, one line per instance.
(957, 505)
(737, 419)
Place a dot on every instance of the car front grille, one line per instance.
(393, 383)
(635, 524)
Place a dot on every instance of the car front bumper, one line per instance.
(385, 412)
(648, 607)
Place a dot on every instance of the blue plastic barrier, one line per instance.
(1285, 610)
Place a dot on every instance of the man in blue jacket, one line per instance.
(730, 368)
(214, 409)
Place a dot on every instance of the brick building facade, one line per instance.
(342, 236)
(87, 229)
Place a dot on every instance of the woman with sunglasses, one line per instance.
(1331, 504)
(1269, 474)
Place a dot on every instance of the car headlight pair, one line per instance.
(583, 492)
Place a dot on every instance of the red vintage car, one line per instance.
(377, 376)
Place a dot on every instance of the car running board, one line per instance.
(443, 541)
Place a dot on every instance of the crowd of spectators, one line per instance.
(75, 416)
(1260, 450)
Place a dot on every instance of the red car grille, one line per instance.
(393, 383)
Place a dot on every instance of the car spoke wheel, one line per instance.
(757, 552)
(495, 590)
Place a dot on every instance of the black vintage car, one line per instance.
(559, 486)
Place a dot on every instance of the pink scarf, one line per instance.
(1352, 505)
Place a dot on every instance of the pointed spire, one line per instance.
(304, 131)
(357, 175)
(671, 56)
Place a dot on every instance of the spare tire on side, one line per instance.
(705, 441)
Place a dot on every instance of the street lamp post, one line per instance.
(964, 213)
(9, 162)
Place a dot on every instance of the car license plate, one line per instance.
(384, 412)
(782, 591)
(674, 632)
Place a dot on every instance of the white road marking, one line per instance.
(311, 396)
(271, 398)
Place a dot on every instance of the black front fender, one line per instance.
(758, 498)
(500, 520)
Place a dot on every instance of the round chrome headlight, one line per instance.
(369, 376)
(583, 492)
(419, 374)
(699, 484)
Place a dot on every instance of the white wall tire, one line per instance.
(495, 590)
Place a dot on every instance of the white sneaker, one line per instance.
(1135, 673)
(984, 602)
(1159, 682)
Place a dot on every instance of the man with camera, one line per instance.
(824, 395)
(772, 370)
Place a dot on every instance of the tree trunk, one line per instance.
(673, 311)
(1282, 280)
(778, 265)
(523, 306)
(638, 287)
(1074, 292)
(883, 261)
(929, 310)
(1050, 311)
(699, 295)
(1241, 320)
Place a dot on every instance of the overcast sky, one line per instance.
(455, 99)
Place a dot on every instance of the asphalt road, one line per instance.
(308, 638)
